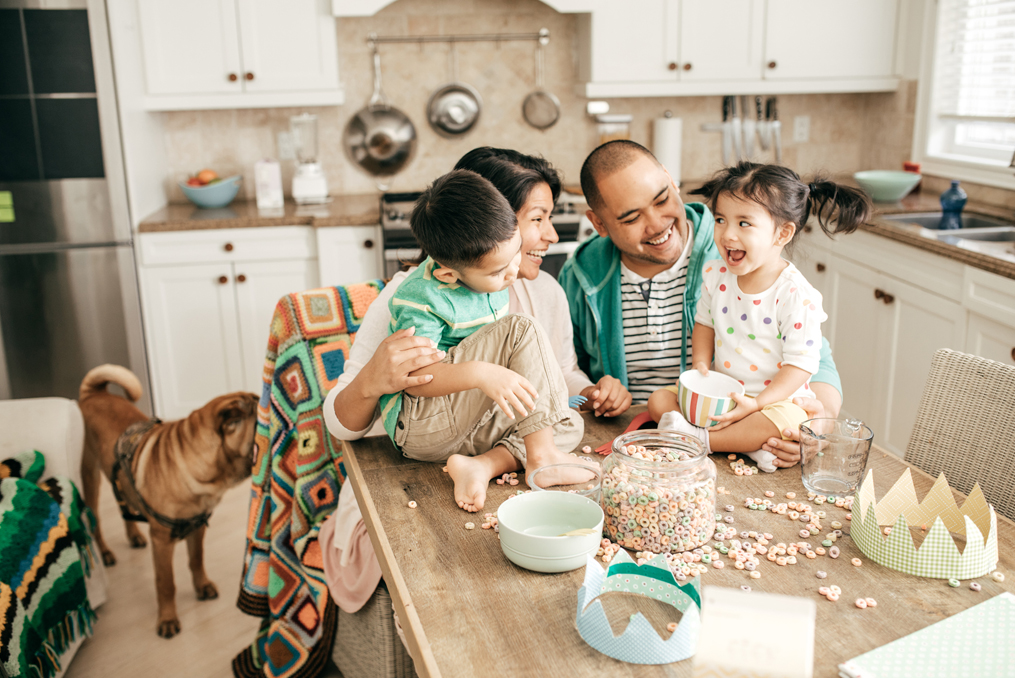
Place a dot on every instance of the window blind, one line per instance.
(974, 70)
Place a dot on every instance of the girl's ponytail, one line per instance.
(827, 201)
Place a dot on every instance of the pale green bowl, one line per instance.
(887, 185)
(529, 526)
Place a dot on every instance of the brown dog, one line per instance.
(180, 470)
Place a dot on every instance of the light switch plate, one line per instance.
(802, 129)
(286, 148)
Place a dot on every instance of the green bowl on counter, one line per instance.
(887, 185)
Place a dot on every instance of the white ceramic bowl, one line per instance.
(887, 185)
(529, 526)
(701, 397)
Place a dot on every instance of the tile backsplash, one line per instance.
(848, 132)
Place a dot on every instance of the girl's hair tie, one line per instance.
(812, 186)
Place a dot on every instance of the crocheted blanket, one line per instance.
(295, 483)
(45, 553)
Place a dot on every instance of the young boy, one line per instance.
(495, 364)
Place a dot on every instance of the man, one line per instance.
(634, 287)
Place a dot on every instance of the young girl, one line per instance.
(758, 318)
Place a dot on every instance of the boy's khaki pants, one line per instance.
(469, 422)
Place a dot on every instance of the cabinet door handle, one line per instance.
(1013, 354)
(888, 298)
(249, 75)
(223, 280)
(241, 278)
(368, 244)
(821, 268)
(672, 66)
(772, 64)
(878, 294)
(228, 247)
(233, 77)
(687, 66)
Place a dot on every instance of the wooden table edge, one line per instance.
(419, 647)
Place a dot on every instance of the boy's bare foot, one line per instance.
(471, 477)
(563, 476)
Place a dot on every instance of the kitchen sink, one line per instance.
(931, 220)
(990, 234)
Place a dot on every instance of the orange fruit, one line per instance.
(207, 175)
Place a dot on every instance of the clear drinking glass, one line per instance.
(833, 455)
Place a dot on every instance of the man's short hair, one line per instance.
(461, 217)
(609, 158)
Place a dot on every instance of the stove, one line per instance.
(401, 248)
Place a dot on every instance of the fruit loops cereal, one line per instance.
(671, 514)
(412, 504)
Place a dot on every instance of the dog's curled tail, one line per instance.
(97, 378)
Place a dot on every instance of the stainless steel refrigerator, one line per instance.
(68, 287)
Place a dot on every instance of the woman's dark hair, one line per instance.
(484, 159)
(461, 217)
(838, 208)
(512, 173)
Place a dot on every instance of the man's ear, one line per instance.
(786, 233)
(446, 275)
(597, 224)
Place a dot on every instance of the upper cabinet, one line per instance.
(696, 47)
(202, 54)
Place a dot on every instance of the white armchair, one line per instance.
(54, 427)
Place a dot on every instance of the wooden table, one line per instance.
(468, 611)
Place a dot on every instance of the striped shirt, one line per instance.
(653, 319)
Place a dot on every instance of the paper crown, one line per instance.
(639, 644)
(938, 556)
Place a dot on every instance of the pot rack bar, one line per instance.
(542, 37)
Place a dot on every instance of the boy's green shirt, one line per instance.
(445, 313)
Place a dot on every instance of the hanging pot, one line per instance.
(379, 138)
(541, 109)
(454, 108)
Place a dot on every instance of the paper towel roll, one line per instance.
(666, 138)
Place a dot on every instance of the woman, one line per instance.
(380, 364)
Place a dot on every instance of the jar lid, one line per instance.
(687, 449)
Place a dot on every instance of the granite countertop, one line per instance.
(343, 210)
(998, 258)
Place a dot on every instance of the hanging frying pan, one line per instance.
(454, 108)
(541, 109)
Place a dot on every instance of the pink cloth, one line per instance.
(353, 583)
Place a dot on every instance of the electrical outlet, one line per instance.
(286, 150)
(802, 129)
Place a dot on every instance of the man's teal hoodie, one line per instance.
(591, 281)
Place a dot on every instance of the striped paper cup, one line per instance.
(703, 397)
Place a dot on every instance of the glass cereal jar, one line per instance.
(658, 492)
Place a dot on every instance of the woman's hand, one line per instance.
(395, 359)
(746, 406)
(788, 451)
(607, 398)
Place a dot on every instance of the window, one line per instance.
(971, 118)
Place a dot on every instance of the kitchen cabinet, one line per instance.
(700, 47)
(990, 339)
(208, 298)
(349, 254)
(238, 54)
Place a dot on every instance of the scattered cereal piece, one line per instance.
(833, 552)
(835, 589)
(974, 586)
(791, 495)
(823, 590)
(587, 449)
(769, 493)
(997, 576)
(871, 602)
(887, 531)
(820, 551)
(953, 582)
(412, 504)
(731, 457)
(513, 481)
(833, 597)
(745, 587)
(671, 627)
(820, 574)
(805, 533)
(755, 574)
(470, 526)
(836, 525)
(861, 603)
(826, 543)
(500, 481)
(856, 562)
(849, 516)
(445, 469)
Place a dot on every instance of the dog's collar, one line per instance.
(125, 487)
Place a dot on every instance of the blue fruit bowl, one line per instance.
(887, 185)
(213, 196)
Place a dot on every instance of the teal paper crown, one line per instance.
(639, 644)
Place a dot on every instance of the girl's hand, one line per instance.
(607, 398)
(507, 389)
(701, 367)
(746, 406)
(396, 358)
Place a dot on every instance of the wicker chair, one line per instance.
(966, 426)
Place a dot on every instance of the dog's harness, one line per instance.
(125, 487)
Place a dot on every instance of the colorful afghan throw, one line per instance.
(295, 483)
(44, 534)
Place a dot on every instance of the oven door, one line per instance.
(556, 255)
(396, 257)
